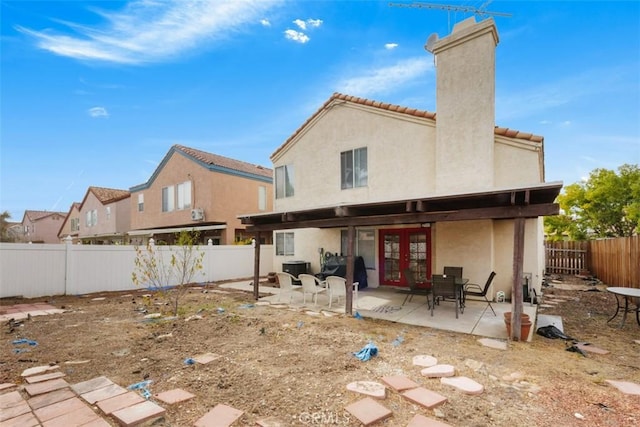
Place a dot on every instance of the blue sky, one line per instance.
(94, 93)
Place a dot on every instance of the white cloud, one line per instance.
(150, 31)
(98, 112)
(388, 78)
(296, 36)
(301, 24)
(314, 22)
(265, 22)
(391, 46)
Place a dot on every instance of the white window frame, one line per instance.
(108, 213)
(184, 195)
(262, 198)
(168, 198)
(285, 243)
(141, 202)
(365, 245)
(285, 182)
(354, 168)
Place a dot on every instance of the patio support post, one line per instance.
(349, 284)
(516, 293)
(256, 266)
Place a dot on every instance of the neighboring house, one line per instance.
(404, 189)
(104, 216)
(200, 191)
(70, 228)
(41, 226)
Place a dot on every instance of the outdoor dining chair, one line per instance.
(311, 285)
(286, 285)
(338, 288)
(414, 289)
(444, 288)
(453, 271)
(478, 291)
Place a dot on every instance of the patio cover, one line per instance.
(517, 203)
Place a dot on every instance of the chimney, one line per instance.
(465, 106)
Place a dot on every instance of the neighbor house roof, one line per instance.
(106, 195)
(37, 215)
(501, 131)
(214, 163)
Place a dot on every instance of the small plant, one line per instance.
(163, 270)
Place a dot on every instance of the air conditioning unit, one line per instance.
(197, 214)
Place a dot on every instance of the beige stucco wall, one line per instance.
(396, 144)
(116, 223)
(43, 230)
(517, 163)
(222, 196)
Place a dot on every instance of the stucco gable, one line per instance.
(340, 98)
(212, 162)
(34, 216)
(105, 195)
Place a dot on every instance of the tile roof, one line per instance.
(36, 215)
(225, 162)
(109, 195)
(510, 133)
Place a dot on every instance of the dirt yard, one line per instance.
(288, 364)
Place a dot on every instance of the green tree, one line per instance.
(5, 236)
(607, 204)
(169, 271)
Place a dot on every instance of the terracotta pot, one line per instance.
(525, 325)
(524, 317)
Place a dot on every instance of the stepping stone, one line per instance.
(424, 397)
(44, 377)
(370, 388)
(464, 384)
(220, 416)
(36, 370)
(59, 408)
(206, 358)
(24, 420)
(399, 382)
(90, 385)
(103, 393)
(270, 422)
(438, 371)
(121, 401)
(79, 417)
(262, 303)
(50, 398)
(626, 387)
(590, 348)
(425, 361)
(45, 386)
(138, 413)
(491, 343)
(422, 421)
(98, 422)
(14, 411)
(6, 386)
(10, 399)
(636, 341)
(174, 396)
(368, 411)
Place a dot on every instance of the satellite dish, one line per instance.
(430, 42)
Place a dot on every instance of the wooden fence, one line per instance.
(616, 261)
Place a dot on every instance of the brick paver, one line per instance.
(10, 399)
(422, 396)
(368, 411)
(174, 396)
(370, 388)
(45, 386)
(50, 398)
(90, 385)
(626, 387)
(59, 408)
(44, 377)
(270, 422)
(14, 411)
(78, 417)
(399, 382)
(36, 370)
(120, 401)
(422, 421)
(26, 420)
(103, 393)
(6, 386)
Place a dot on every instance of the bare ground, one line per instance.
(287, 364)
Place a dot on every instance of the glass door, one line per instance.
(405, 248)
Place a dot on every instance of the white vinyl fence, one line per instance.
(35, 270)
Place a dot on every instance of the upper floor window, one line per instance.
(75, 224)
(184, 195)
(91, 218)
(284, 243)
(262, 198)
(108, 213)
(168, 198)
(353, 168)
(140, 202)
(284, 181)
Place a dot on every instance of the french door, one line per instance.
(402, 248)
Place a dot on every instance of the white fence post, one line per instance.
(67, 261)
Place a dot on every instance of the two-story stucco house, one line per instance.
(104, 216)
(70, 228)
(195, 190)
(40, 226)
(404, 188)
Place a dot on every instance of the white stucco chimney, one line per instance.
(465, 106)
